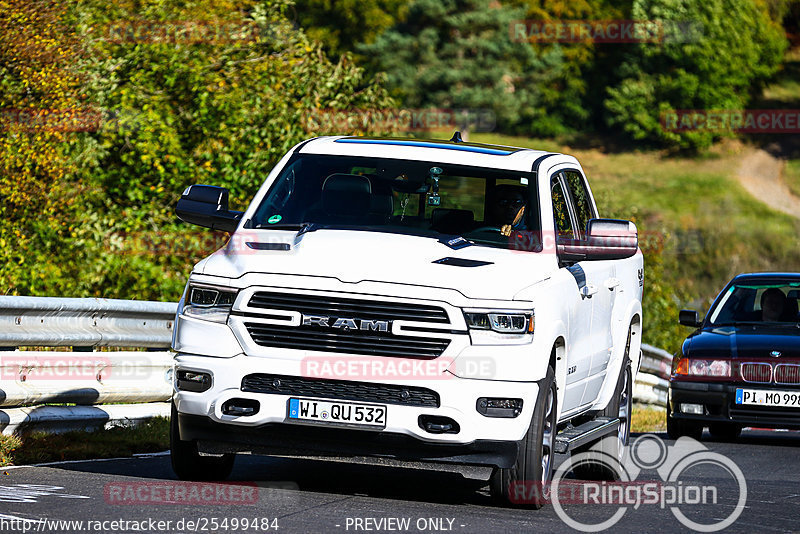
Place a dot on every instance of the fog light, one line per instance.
(495, 407)
(192, 381)
(436, 424)
(694, 409)
(240, 407)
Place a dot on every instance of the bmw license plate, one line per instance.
(762, 397)
(341, 413)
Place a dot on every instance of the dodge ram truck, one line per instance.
(416, 300)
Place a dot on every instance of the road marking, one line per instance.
(15, 518)
(29, 492)
(66, 462)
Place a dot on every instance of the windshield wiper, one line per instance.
(756, 323)
(300, 228)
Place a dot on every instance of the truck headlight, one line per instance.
(209, 303)
(503, 322)
(499, 327)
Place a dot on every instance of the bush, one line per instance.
(217, 106)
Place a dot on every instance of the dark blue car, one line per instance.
(741, 366)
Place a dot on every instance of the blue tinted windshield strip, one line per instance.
(425, 144)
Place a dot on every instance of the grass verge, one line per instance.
(791, 175)
(38, 447)
(648, 419)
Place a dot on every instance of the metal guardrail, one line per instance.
(59, 322)
(29, 380)
(652, 382)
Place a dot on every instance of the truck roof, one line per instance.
(460, 153)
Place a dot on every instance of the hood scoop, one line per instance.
(268, 246)
(462, 262)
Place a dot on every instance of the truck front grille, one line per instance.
(361, 342)
(340, 389)
(325, 336)
(347, 307)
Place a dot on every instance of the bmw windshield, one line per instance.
(484, 206)
(749, 302)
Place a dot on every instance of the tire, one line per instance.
(533, 468)
(620, 407)
(188, 464)
(677, 428)
(724, 431)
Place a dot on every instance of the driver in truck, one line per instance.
(508, 208)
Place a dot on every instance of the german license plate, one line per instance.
(762, 397)
(341, 413)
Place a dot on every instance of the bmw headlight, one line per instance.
(708, 368)
(209, 303)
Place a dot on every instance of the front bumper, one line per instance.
(480, 440)
(719, 402)
(307, 441)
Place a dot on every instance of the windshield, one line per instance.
(485, 206)
(768, 302)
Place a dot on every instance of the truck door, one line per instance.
(578, 349)
(601, 287)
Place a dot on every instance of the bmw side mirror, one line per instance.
(689, 318)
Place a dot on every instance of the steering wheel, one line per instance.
(496, 229)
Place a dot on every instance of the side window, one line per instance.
(561, 210)
(580, 200)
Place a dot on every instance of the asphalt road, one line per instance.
(306, 496)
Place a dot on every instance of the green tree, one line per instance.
(715, 55)
(462, 54)
(343, 24)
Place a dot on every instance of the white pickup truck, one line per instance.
(423, 301)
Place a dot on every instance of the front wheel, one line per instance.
(677, 428)
(188, 464)
(527, 481)
(620, 407)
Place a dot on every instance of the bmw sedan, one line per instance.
(741, 366)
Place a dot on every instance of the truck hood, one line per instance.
(356, 256)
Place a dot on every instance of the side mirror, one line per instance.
(207, 205)
(606, 239)
(689, 318)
